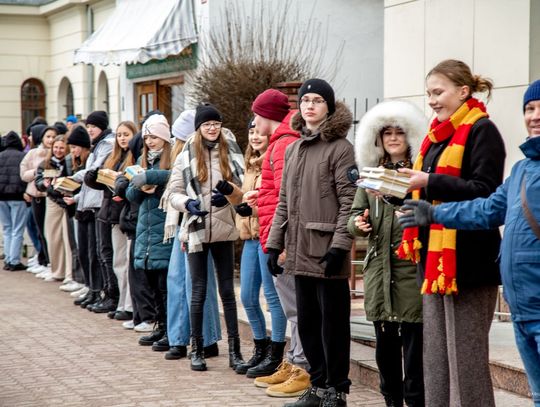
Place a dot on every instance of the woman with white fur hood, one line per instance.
(389, 135)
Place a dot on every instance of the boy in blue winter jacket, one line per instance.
(520, 248)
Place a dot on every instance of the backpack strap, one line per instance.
(533, 223)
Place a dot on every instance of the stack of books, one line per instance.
(66, 186)
(51, 173)
(107, 177)
(385, 181)
(133, 170)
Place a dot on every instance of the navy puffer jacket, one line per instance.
(150, 251)
(12, 187)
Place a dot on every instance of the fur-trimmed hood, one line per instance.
(395, 113)
(336, 126)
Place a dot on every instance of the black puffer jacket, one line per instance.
(11, 186)
(66, 169)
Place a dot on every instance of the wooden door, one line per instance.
(147, 98)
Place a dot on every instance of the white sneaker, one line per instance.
(80, 293)
(45, 274)
(145, 326)
(71, 286)
(50, 278)
(38, 268)
(42, 273)
(32, 261)
(128, 325)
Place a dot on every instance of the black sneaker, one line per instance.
(312, 397)
(8, 267)
(162, 345)
(111, 314)
(123, 316)
(333, 398)
(18, 267)
(176, 352)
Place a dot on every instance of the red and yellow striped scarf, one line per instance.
(440, 276)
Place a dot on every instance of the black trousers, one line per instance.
(78, 275)
(223, 255)
(157, 280)
(324, 310)
(399, 357)
(86, 233)
(38, 211)
(105, 257)
(142, 296)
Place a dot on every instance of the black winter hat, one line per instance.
(320, 87)
(79, 137)
(36, 131)
(61, 127)
(205, 113)
(99, 119)
(13, 140)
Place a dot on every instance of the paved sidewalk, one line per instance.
(55, 354)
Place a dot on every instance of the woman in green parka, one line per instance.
(389, 135)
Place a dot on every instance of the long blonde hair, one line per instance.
(177, 149)
(223, 150)
(114, 157)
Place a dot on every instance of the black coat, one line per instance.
(482, 172)
(57, 197)
(130, 210)
(12, 187)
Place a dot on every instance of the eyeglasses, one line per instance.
(315, 101)
(215, 125)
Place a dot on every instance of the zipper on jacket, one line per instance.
(210, 209)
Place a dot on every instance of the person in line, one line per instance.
(146, 189)
(209, 157)
(514, 204)
(317, 241)
(13, 212)
(389, 136)
(461, 158)
(178, 276)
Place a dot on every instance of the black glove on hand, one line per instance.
(334, 261)
(224, 187)
(273, 266)
(194, 207)
(417, 213)
(218, 199)
(243, 209)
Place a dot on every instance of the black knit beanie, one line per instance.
(61, 127)
(99, 119)
(205, 113)
(79, 137)
(322, 88)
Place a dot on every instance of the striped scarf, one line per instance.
(196, 225)
(440, 276)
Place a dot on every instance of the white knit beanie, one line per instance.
(157, 125)
(184, 125)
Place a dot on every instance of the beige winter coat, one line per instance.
(220, 222)
(315, 197)
(29, 166)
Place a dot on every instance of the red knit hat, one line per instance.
(271, 104)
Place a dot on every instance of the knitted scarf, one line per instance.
(440, 269)
(187, 161)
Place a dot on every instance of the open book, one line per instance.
(133, 170)
(66, 186)
(51, 173)
(387, 182)
(106, 177)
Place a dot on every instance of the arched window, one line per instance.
(65, 99)
(102, 101)
(32, 101)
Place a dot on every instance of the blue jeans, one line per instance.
(528, 342)
(254, 273)
(33, 230)
(13, 218)
(179, 301)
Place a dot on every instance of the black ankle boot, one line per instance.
(162, 345)
(176, 352)
(269, 365)
(211, 351)
(79, 301)
(259, 352)
(197, 355)
(106, 305)
(235, 357)
(92, 298)
(154, 336)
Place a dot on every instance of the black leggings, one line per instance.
(38, 211)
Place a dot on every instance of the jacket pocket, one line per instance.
(320, 236)
(323, 179)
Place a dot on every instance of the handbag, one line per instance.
(533, 223)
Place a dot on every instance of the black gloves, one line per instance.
(334, 261)
(273, 266)
(224, 187)
(218, 199)
(194, 207)
(243, 209)
(417, 213)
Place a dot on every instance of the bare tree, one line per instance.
(249, 52)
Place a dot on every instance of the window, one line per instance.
(32, 101)
(65, 99)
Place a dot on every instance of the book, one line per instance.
(385, 181)
(51, 173)
(133, 170)
(106, 177)
(66, 186)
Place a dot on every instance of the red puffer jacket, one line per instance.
(272, 169)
